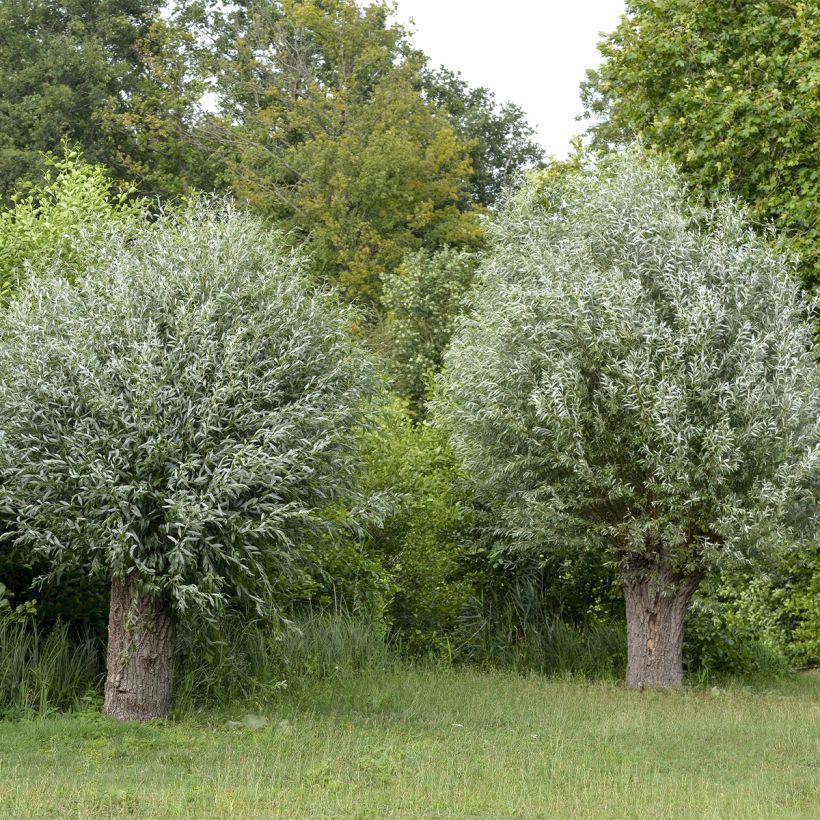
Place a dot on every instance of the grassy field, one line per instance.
(433, 743)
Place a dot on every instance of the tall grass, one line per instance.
(252, 662)
(518, 629)
(541, 642)
(46, 671)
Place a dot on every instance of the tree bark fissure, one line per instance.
(655, 613)
(141, 635)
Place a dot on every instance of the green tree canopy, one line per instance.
(325, 126)
(158, 131)
(500, 136)
(636, 378)
(730, 91)
(64, 66)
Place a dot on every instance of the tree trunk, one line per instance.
(655, 612)
(141, 637)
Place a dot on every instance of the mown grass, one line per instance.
(433, 743)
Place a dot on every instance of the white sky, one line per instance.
(531, 52)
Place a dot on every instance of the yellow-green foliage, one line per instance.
(59, 219)
(331, 133)
(378, 191)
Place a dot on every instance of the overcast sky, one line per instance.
(532, 52)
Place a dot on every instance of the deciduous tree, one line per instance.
(325, 126)
(636, 378)
(500, 137)
(64, 66)
(730, 91)
(176, 421)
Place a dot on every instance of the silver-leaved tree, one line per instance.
(176, 420)
(636, 377)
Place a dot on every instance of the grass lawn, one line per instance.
(432, 743)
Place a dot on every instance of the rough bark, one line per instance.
(655, 613)
(141, 637)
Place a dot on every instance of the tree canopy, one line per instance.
(64, 66)
(326, 128)
(318, 114)
(730, 91)
(499, 135)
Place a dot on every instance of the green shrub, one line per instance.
(420, 544)
(335, 573)
(60, 219)
(765, 624)
(717, 642)
(792, 593)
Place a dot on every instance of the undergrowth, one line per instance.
(254, 663)
(46, 671)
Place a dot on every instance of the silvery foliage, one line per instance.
(184, 411)
(636, 376)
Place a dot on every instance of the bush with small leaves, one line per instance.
(420, 543)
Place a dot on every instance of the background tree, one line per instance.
(176, 421)
(500, 136)
(636, 378)
(423, 300)
(64, 66)
(731, 93)
(325, 127)
(159, 130)
(327, 119)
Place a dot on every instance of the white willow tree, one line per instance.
(179, 420)
(636, 377)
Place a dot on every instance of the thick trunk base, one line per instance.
(655, 614)
(140, 656)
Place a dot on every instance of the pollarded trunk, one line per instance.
(655, 613)
(141, 637)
